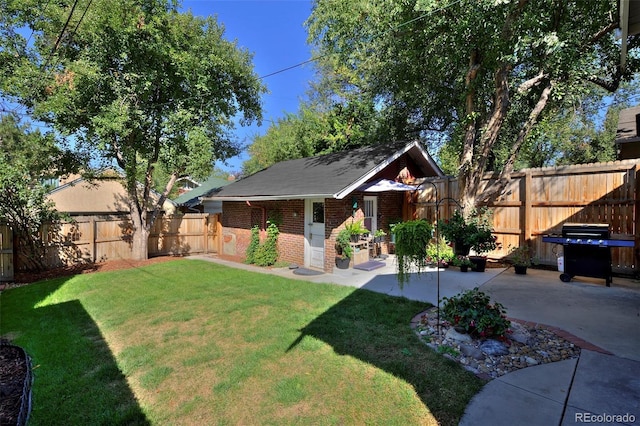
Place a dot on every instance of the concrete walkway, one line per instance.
(601, 387)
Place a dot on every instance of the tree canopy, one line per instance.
(27, 159)
(135, 82)
(482, 72)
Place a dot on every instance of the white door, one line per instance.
(314, 233)
(371, 213)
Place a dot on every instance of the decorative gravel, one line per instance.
(523, 346)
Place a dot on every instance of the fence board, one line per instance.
(98, 239)
(6, 253)
(540, 201)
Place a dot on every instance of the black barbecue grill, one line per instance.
(586, 250)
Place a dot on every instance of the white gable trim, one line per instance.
(349, 189)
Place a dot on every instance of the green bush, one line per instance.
(267, 253)
(343, 246)
(473, 311)
(254, 243)
(440, 252)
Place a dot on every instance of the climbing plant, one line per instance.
(267, 253)
(254, 243)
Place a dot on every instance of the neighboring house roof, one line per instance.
(629, 125)
(629, 24)
(104, 196)
(208, 187)
(334, 175)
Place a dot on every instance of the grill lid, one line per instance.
(586, 230)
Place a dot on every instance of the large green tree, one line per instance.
(27, 160)
(316, 129)
(480, 71)
(136, 82)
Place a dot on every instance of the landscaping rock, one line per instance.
(471, 351)
(458, 337)
(494, 347)
(519, 333)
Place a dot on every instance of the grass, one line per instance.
(190, 342)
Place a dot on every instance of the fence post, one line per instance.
(92, 239)
(636, 214)
(526, 204)
(446, 189)
(205, 233)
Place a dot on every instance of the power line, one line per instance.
(59, 39)
(380, 34)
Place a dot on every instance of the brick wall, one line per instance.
(237, 219)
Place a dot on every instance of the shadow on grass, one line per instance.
(77, 380)
(375, 328)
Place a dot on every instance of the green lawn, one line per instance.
(192, 342)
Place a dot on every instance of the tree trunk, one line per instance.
(466, 160)
(140, 229)
(140, 244)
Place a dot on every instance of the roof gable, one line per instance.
(192, 198)
(332, 175)
(629, 125)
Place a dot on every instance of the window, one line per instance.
(318, 212)
(370, 210)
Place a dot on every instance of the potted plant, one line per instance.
(521, 258)
(475, 232)
(392, 225)
(458, 232)
(378, 236)
(356, 230)
(344, 251)
(440, 253)
(463, 263)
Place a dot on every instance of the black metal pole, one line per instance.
(435, 188)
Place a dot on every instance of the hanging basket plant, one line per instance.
(412, 238)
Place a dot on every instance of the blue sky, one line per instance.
(273, 31)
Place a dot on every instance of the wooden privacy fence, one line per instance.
(539, 201)
(6, 253)
(96, 239)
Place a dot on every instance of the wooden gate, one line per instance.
(6, 253)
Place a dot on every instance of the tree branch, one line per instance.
(529, 84)
(505, 174)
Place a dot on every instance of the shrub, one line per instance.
(473, 311)
(440, 252)
(474, 231)
(267, 253)
(343, 246)
(254, 243)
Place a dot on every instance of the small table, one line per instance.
(360, 252)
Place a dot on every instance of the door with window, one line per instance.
(314, 232)
(370, 210)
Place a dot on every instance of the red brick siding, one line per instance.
(236, 218)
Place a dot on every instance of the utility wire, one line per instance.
(59, 39)
(73, 33)
(380, 34)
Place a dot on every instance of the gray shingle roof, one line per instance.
(208, 187)
(328, 176)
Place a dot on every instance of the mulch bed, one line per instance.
(13, 364)
(13, 375)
